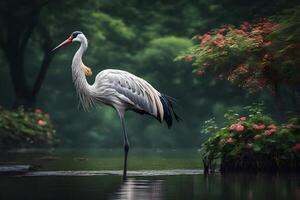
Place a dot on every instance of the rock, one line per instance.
(49, 158)
(15, 169)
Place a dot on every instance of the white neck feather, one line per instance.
(83, 88)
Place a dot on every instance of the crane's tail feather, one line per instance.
(169, 111)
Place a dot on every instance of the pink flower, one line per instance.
(259, 126)
(243, 118)
(296, 147)
(189, 58)
(41, 122)
(258, 136)
(243, 68)
(230, 140)
(38, 111)
(239, 128)
(221, 30)
(272, 126)
(273, 130)
(289, 126)
(268, 43)
(269, 132)
(232, 127)
(266, 56)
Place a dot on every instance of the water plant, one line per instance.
(20, 128)
(252, 140)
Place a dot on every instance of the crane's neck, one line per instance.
(83, 88)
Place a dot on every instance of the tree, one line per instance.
(18, 21)
(37, 23)
(256, 56)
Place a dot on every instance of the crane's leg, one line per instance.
(126, 145)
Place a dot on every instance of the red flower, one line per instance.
(209, 50)
(221, 30)
(41, 122)
(266, 56)
(189, 58)
(258, 136)
(259, 126)
(243, 68)
(205, 38)
(220, 36)
(273, 130)
(231, 42)
(239, 128)
(218, 43)
(296, 147)
(272, 126)
(268, 43)
(38, 111)
(232, 127)
(268, 132)
(243, 118)
(47, 115)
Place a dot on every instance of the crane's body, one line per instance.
(119, 89)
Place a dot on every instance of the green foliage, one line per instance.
(254, 135)
(254, 56)
(161, 51)
(142, 37)
(210, 126)
(25, 129)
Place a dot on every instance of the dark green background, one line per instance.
(142, 37)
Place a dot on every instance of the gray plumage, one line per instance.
(119, 89)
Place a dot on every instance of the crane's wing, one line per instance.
(136, 94)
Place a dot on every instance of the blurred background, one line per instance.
(142, 37)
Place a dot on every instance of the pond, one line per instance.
(153, 174)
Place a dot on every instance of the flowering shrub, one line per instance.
(255, 56)
(25, 129)
(255, 141)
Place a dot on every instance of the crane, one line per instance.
(119, 89)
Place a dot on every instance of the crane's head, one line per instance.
(76, 36)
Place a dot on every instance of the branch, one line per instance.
(48, 56)
(33, 18)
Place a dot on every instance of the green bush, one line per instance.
(25, 129)
(252, 140)
(257, 55)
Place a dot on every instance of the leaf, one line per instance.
(256, 148)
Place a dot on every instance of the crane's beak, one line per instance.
(64, 43)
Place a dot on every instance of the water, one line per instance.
(67, 175)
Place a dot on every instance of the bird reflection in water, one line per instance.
(133, 189)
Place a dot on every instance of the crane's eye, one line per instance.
(75, 33)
